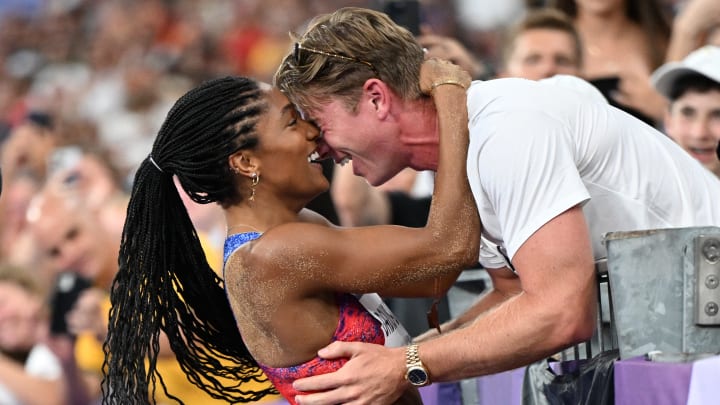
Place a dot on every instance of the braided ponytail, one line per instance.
(164, 281)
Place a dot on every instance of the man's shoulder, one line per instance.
(507, 101)
(495, 95)
(510, 100)
(501, 83)
(513, 87)
(507, 93)
(576, 84)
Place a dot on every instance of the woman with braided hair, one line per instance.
(292, 281)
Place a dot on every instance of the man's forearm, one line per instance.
(484, 302)
(513, 334)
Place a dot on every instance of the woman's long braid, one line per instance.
(164, 281)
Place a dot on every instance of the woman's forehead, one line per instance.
(279, 103)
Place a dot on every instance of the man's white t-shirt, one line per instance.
(540, 148)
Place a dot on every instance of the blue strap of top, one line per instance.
(234, 241)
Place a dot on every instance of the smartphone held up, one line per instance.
(405, 13)
(66, 291)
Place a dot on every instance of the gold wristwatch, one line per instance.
(416, 373)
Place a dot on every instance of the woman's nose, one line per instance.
(314, 133)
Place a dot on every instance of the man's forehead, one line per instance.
(323, 112)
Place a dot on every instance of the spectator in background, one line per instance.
(695, 24)
(30, 373)
(544, 43)
(35, 150)
(28, 146)
(16, 246)
(623, 42)
(693, 117)
(68, 237)
(71, 234)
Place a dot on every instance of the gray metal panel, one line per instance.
(652, 279)
(707, 274)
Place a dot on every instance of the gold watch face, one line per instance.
(417, 376)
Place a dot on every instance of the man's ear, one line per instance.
(244, 163)
(378, 95)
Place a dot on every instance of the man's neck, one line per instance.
(419, 133)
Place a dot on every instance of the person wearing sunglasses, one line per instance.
(292, 282)
(551, 167)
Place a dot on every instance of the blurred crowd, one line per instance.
(85, 84)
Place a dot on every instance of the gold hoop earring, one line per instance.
(255, 181)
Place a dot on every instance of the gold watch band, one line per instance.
(416, 373)
(412, 356)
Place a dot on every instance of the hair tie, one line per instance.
(155, 164)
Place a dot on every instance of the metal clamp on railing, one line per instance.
(707, 276)
(665, 290)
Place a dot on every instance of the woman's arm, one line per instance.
(375, 258)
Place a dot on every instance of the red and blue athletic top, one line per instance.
(356, 324)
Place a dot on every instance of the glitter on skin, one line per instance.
(282, 286)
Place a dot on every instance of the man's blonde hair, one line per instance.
(339, 51)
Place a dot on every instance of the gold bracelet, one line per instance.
(448, 81)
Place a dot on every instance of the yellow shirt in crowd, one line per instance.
(89, 356)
